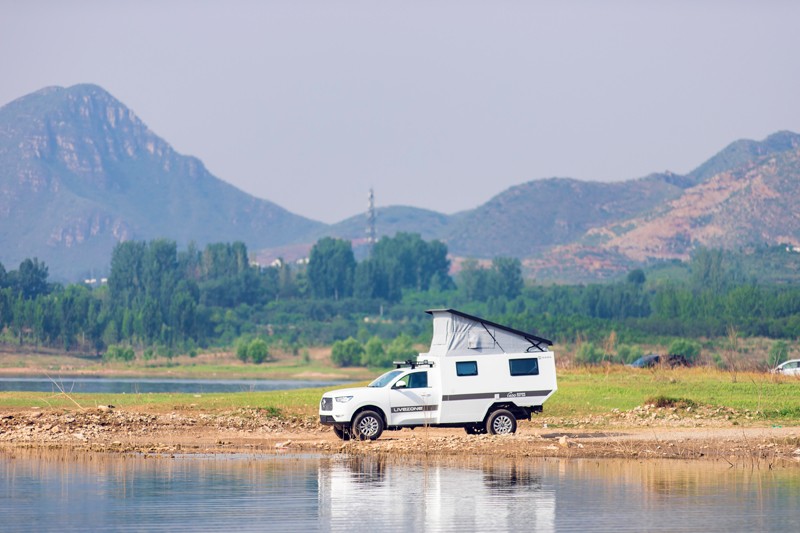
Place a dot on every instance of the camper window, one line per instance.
(524, 367)
(467, 368)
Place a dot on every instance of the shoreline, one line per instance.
(107, 429)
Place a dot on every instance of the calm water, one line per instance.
(139, 385)
(64, 491)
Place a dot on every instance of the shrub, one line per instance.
(588, 354)
(401, 349)
(119, 353)
(688, 349)
(778, 353)
(375, 354)
(258, 351)
(347, 352)
(628, 354)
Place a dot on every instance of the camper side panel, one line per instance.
(472, 383)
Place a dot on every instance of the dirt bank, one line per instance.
(636, 434)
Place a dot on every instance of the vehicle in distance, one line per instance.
(789, 368)
(653, 359)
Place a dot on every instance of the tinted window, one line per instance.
(467, 368)
(524, 367)
(418, 380)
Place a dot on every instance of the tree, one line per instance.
(331, 267)
(32, 278)
(258, 350)
(507, 277)
(347, 352)
(375, 354)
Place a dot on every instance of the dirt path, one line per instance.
(250, 430)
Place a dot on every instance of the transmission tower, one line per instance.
(371, 236)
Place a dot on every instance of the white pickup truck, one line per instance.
(478, 375)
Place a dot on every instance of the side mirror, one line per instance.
(400, 385)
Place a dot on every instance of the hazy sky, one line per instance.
(435, 104)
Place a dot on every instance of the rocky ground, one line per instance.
(680, 432)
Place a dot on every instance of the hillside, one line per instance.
(79, 172)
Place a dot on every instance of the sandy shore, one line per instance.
(107, 429)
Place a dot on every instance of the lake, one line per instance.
(145, 385)
(67, 491)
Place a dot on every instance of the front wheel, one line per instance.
(367, 425)
(501, 422)
(342, 432)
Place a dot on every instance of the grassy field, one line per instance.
(582, 392)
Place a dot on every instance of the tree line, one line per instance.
(160, 299)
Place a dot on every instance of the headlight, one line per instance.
(343, 399)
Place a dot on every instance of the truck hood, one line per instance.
(346, 392)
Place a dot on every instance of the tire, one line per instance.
(367, 425)
(475, 429)
(342, 432)
(501, 422)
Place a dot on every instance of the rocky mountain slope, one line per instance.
(79, 172)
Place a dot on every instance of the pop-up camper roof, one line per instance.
(457, 333)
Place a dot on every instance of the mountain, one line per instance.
(80, 172)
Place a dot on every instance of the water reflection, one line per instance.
(67, 491)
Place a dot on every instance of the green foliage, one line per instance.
(628, 354)
(258, 351)
(255, 350)
(375, 354)
(589, 354)
(118, 353)
(687, 348)
(401, 349)
(331, 267)
(347, 352)
(778, 353)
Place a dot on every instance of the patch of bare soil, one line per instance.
(627, 435)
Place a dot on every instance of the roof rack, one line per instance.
(412, 364)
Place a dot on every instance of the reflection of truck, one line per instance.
(478, 375)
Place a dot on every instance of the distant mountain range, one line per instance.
(80, 172)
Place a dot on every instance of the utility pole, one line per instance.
(371, 235)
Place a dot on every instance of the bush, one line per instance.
(119, 353)
(628, 354)
(778, 353)
(688, 349)
(375, 354)
(258, 351)
(588, 354)
(347, 352)
(401, 349)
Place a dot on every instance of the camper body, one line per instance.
(478, 375)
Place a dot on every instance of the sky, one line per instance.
(434, 104)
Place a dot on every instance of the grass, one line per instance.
(581, 392)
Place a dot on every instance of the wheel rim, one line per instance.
(368, 426)
(502, 424)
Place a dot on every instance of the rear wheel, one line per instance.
(342, 432)
(367, 425)
(501, 422)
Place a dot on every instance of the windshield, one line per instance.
(386, 378)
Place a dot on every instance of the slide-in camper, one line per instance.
(478, 375)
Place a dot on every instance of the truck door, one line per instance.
(411, 401)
